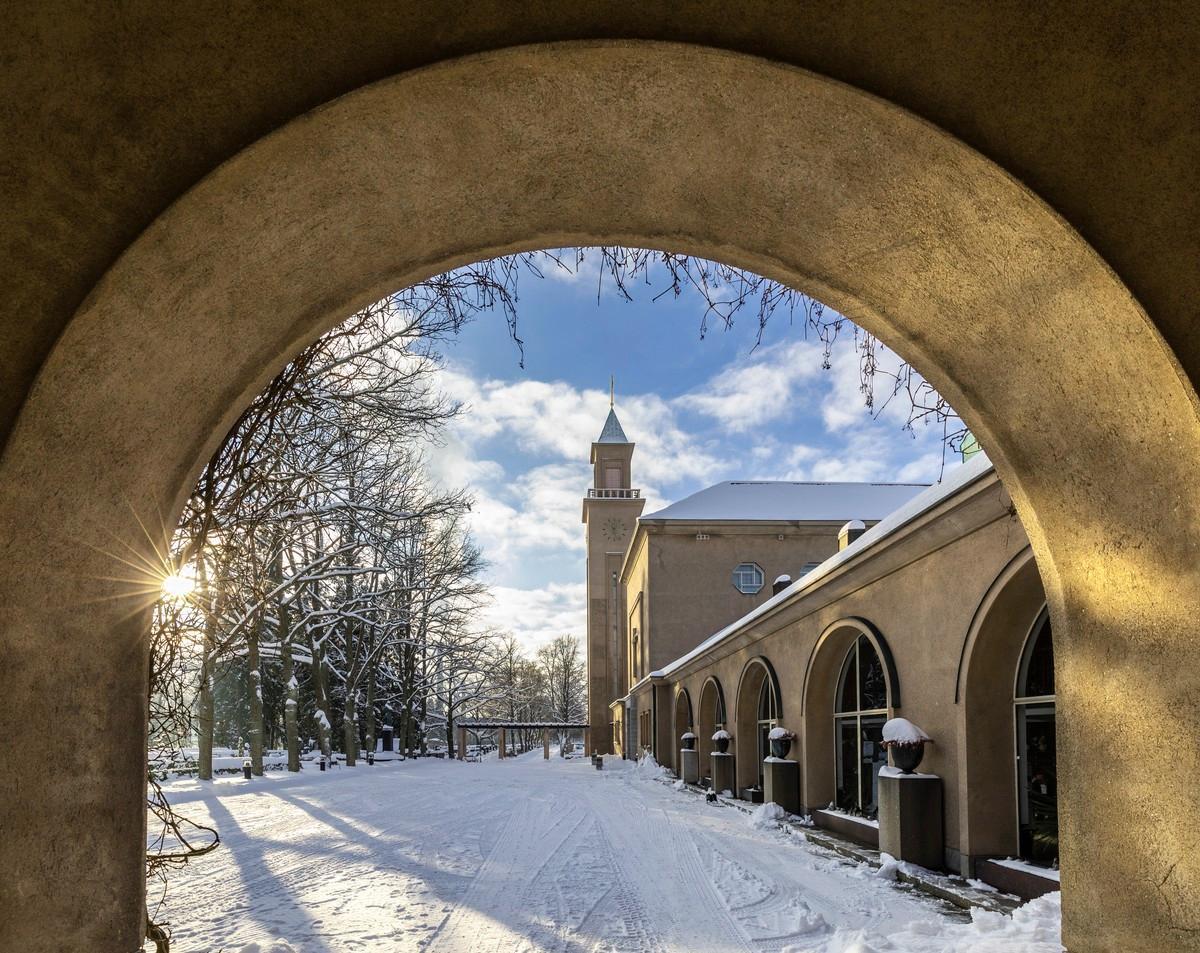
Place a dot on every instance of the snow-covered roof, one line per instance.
(958, 479)
(612, 432)
(783, 501)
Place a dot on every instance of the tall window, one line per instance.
(612, 477)
(768, 718)
(860, 711)
(1037, 771)
(636, 655)
(748, 578)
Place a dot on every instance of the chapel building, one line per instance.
(823, 610)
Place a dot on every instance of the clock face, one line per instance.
(613, 530)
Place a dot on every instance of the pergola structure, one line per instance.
(475, 724)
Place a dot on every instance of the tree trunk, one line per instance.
(205, 709)
(291, 707)
(350, 727)
(371, 708)
(254, 696)
(320, 699)
(402, 730)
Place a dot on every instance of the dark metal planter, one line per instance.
(907, 757)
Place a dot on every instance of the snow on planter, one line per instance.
(779, 733)
(688, 736)
(901, 731)
(721, 735)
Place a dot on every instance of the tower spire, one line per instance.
(612, 391)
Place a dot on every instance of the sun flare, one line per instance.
(178, 586)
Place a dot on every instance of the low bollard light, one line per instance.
(370, 757)
(322, 764)
(246, 769)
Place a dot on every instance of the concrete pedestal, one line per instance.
(721, 764)
(781, 784)
(910, 818)
(689, 765)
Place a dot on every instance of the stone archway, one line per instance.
(681, 722)
(710, 715)
(821, 676)
(832, 191)
(755, 674)
(986, 678)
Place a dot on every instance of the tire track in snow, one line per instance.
(672, 894)
(523, 849)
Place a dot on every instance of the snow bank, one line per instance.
(767, 816)
(269, 946)
(1033, 928)
(648, 767)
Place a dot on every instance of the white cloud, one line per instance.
(537, 616)
(744, 397)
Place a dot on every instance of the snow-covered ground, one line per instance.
(525, 856)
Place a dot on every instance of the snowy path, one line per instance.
(527, 856)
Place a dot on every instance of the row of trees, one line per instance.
(321, 586)
(333, 589)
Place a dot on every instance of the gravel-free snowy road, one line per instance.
(526, 856)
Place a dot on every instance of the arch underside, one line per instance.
(838, 194)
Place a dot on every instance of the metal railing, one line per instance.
(613, 494)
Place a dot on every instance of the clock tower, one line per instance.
(610, 512)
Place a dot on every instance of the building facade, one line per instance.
(933, 612)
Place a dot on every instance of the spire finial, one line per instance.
(612, 391)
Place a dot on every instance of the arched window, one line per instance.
(860, 712)
(1037, 772)
(768, 718)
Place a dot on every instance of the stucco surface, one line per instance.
(1088, 418)
(115, 113)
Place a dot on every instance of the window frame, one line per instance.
(758, 575)
(857, 715)
(1026, 707)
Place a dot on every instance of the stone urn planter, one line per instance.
(687, 741)
(905, 742)
(721, 739)
(781, 741)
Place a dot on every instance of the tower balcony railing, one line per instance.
(621, 493)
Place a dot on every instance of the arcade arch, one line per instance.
(710, 715)
(759, 709)
(682, 722)
(850, 667)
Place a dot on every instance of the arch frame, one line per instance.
(1019, 563)
(765, 663)
(865, 628)
(883, 217)
(682, 692)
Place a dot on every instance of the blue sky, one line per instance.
(700, 411)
